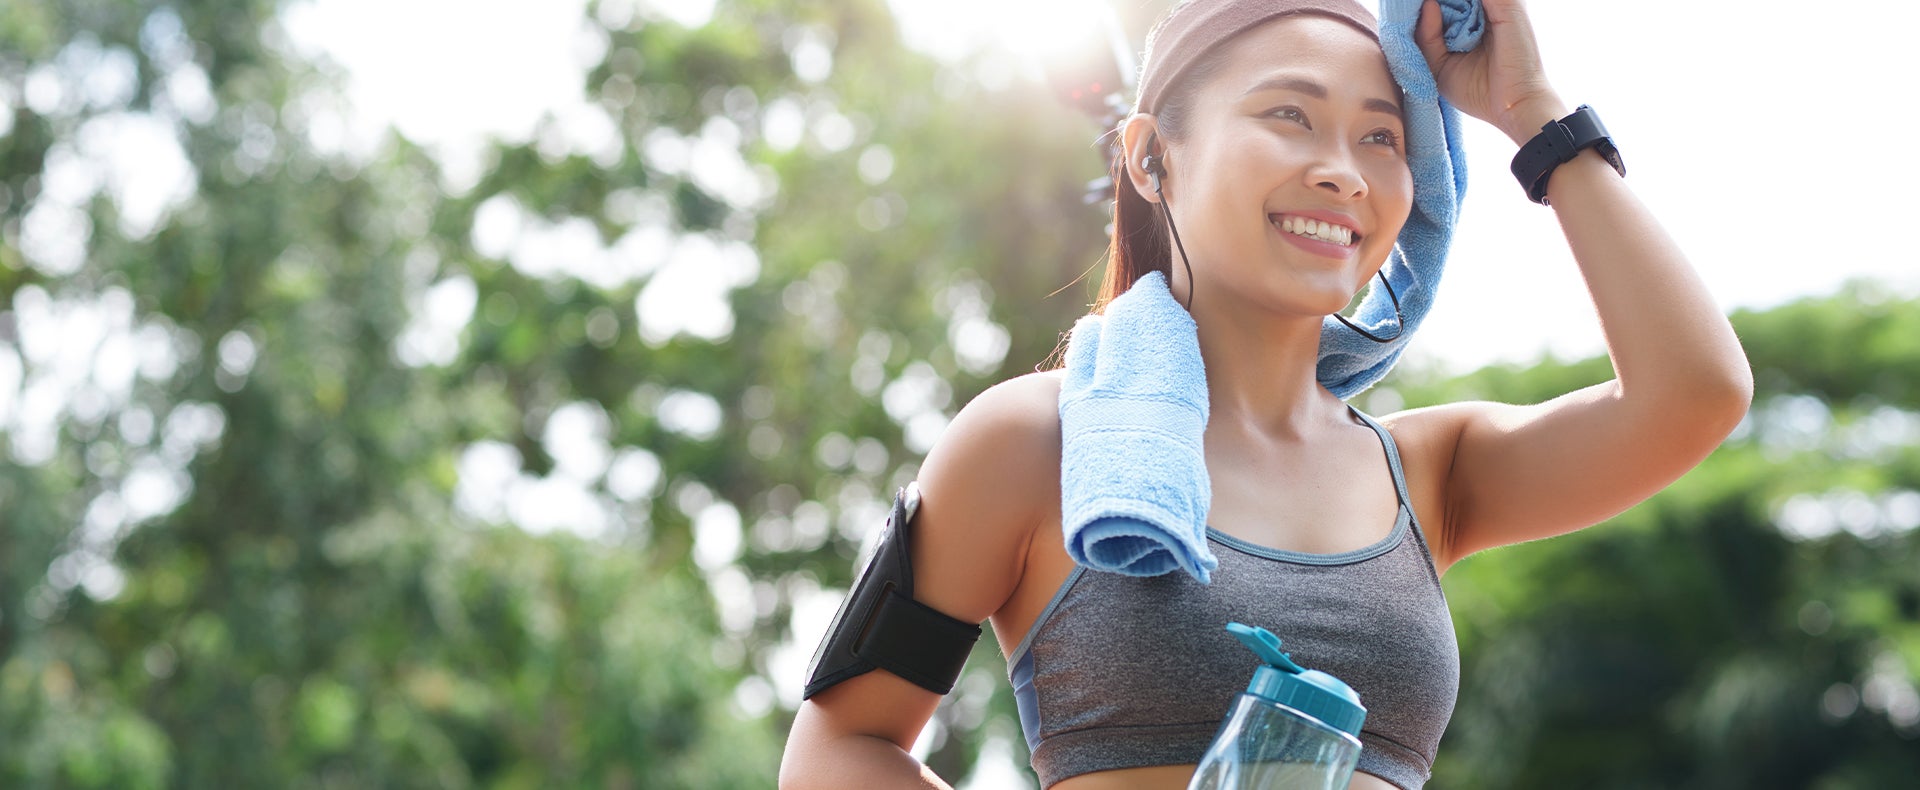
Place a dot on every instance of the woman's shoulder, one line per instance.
(1428, 436)
(1428, 439)
(1007, 435)
(1022, 408)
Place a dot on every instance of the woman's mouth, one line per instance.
(1316, 230)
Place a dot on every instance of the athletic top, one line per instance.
(1126, 671)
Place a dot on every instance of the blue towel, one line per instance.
(1133, 479)
(1133, 408)
(1350, 363)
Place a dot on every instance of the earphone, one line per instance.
(1156, 168)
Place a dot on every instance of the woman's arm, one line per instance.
(1681, 379)
(984, 489)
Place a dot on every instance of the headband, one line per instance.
(1195, 28)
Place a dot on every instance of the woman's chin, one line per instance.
(1292, 307)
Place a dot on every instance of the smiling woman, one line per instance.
(1275, 154)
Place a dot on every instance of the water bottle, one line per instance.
(1294, 728)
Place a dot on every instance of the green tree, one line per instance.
(280, 545)
(1757, 624)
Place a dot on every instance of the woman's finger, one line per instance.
(1500, 12)
(1426, 34)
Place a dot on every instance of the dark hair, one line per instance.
(1140, 241)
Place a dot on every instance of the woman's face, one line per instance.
(1290, 182)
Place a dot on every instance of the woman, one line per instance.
(1292, 119)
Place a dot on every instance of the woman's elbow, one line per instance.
(795, 759)
(794, 773)
(1732, 393)
(1703, 402)
(1717, 397)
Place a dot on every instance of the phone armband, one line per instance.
(881, 626)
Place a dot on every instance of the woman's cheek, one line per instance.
(1397, 199)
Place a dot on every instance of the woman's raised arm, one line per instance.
(1681, 379)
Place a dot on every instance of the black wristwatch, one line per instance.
(1558, 142)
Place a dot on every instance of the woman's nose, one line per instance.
(1335, 171)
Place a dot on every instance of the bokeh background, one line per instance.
(497, 394)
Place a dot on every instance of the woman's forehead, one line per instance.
(1306, 43)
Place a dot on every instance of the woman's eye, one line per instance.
(1384, 137)
(1293, 114)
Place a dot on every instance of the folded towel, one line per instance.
(1350, 363)
(1133, 409)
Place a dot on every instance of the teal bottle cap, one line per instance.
(1310, 691)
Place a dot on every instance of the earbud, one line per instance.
(1156, 166)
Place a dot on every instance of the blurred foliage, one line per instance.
(1757, 624)
(314, 605)
(255, 532)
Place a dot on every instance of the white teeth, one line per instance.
(1315, 229)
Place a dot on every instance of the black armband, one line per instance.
(881, 626)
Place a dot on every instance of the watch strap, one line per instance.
(1559, 142)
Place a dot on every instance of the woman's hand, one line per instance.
(1501, 81)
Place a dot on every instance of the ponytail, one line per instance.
(1137, 246)
(1139, 243)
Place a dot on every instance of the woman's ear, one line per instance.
(1139, 138)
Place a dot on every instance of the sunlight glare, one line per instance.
(1042, 28)
(1035, 31)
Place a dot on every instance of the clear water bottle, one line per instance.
(1294, 728)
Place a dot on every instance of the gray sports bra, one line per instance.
(1124, 671)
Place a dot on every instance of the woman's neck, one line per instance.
(1262, 374)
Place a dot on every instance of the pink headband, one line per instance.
(1195, 27)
